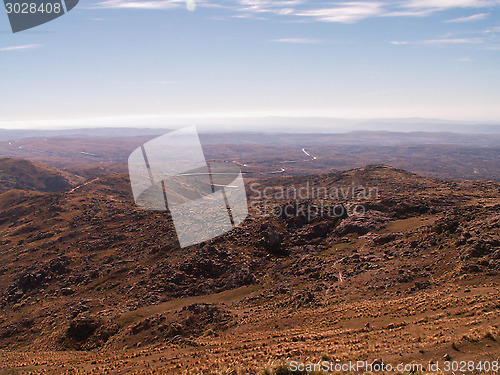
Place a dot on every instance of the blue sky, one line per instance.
(157, 62)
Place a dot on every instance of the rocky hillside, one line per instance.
(27, 175)
(87, 270)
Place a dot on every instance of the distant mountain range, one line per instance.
(290, 125)
(326, 125)
(14, 134)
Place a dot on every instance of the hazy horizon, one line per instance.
(275, 124)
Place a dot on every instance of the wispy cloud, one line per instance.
(449, 4)
(20, 48)
(473, 18)
(349, 11)
(485, 39)
(152, 4)
(300, 40)
(422, 8)
(442, 41)
(269, 6)
(345, 12)
(454, 41)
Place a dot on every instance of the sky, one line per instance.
(158, 62)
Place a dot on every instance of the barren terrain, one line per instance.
(89, 283)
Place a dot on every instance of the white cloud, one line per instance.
(442, 41)
(346, 12)
(299, 40)
(20, 48)
(349, 11)
(249, 16)
(343, 12)
(454, 41)
(474, 17)
(408, 13)
(422, 8)
(257, 9)
(449, 4)
(152, 4)
(268, 5)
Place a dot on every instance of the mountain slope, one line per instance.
(86, 269)
(22, 174)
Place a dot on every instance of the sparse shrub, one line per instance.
(326, 357)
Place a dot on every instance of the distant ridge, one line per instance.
(287, 125)
(14, 134)
(23, 174)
